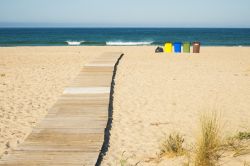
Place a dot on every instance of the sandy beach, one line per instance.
(155, 95)
(31, 80)
(158, 94)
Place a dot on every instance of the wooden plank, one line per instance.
(92, 80)
(98, 69)
(72, 133)
(77, 110)
(63, 130)
(89, 99)
(47, 158)
(74, 122)
(86, 90)
(62, 141)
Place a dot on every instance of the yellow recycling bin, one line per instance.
(168, 47)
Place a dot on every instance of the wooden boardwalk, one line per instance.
(73, 131)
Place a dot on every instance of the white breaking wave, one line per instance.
(118, 43)
(74, 43)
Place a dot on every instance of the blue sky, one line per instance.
(125, 13)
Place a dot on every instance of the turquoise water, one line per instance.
(121, 36)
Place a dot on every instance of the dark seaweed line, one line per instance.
(105, 145)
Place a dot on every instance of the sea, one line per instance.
(122, 36)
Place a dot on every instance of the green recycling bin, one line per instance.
(186, 47)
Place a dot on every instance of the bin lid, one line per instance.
(196, 43)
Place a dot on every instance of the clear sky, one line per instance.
(125, 13)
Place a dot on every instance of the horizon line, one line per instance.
(97, 27)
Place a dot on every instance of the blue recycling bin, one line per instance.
(177, 47)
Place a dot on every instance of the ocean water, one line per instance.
(121, 36)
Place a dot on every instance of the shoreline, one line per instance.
(119, 46)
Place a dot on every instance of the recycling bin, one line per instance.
(177, 47)
(196, 47)
(186, 47)
(168, 47)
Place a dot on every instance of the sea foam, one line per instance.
(119, 43)
(74, 43)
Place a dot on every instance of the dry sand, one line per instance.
(31, 79)
(155, 94)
